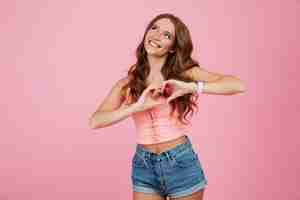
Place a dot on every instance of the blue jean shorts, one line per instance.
(176, 172)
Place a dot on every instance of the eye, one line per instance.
(167, 35)
(153, 27)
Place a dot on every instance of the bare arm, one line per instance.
(107, 118)
(111, 109)
(216, 83)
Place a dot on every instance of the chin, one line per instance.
(155, 53)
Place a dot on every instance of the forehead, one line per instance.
(166, 25)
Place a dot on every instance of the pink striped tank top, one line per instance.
(157, 125)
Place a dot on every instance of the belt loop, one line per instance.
(145, 162)
(167, 155)
(145, 154)
(170, 157)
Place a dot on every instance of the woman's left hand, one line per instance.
(174, 88)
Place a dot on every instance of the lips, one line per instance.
(154, 44)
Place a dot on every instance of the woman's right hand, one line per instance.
(149, 98)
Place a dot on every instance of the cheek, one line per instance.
(168, 45)
(148, 34)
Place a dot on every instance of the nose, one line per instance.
(157, 35)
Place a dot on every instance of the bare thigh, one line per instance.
(195, 196)
(144, 196)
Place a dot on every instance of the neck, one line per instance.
(156, 63)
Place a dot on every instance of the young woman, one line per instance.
(160, 90)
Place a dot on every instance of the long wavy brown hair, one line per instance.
(176, 63)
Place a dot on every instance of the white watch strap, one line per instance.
(200, 85)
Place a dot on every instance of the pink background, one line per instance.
(59, 59)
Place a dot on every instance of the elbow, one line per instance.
(238, 85)
(92, 124)
(238, 89)
(242, 88)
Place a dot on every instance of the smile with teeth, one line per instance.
(154, 44)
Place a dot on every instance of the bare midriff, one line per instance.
(164, 146)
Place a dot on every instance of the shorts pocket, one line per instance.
(186, 159)
(138, 161)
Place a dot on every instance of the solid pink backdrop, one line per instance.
(59, 59)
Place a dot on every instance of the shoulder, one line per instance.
(192, 68)
(190, 71)
(120, 85)
(123, 81)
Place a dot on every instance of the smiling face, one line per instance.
(160, 38)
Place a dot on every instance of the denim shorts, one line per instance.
(176, 172)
